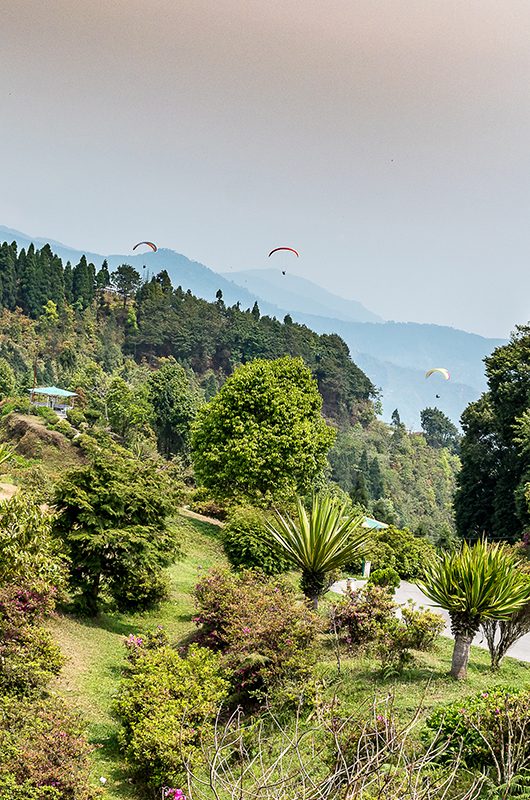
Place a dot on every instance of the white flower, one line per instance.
(103, 781)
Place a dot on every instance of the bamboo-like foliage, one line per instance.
(480, 580)
(318, 542)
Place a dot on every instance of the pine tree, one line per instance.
(68, 280)
(103, 276)
(83, 280)
(8, 275)
(28, 297)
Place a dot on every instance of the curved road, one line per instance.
(409, 591)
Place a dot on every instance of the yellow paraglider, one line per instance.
(441, 370)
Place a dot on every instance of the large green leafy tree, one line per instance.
(175, 400)
(495, 462)
(263, 435)
(126, 280)
(438, 429)
(111, 518)
(480, 454)
(477, 583)
(128, 410)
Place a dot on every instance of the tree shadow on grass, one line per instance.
(108, 759)
(106, 622)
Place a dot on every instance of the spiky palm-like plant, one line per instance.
(320, 541)
(6, 452)
(479, 582)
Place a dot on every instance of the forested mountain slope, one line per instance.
(143, 356)
(395, 355)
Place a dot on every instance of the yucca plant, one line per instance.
(6, 452)
(318, 542)
(479, 582)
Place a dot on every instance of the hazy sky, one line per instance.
(388, 140)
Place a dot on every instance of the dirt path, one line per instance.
(186, 512)
(7, 491)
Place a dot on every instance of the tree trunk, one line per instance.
(313, 585)
(461, 652)
(92, 596)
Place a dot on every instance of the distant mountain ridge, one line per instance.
(300, 295)
(394, 355)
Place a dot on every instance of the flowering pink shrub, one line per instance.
(173, 794)
(43, 753)
(489, 726)
(152, 640)
(361, 615)
(29, 656)
(266, 634)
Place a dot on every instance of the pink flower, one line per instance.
(246, 629)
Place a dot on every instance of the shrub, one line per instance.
(139, 589)
(136, 645)
(423, 626)
(43, 752)
(388, 578)
(28, 655)
(27, 550)
(361, 615)
(202, 502)
(367, 733)
(75, 417)
(35, 481)
(392, 648)
(248, 543)
(266, 635)
(165, 704)
(399, 549)
(47, 414)
(491, 729)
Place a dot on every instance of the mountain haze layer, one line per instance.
(300, 295)
(394, 355)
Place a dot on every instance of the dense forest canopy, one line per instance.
(144, 356)
(491, 497)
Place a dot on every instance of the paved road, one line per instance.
(409, 591)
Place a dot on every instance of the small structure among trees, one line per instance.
(59, 400)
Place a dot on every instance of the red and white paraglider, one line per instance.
(151, 245)
(289, 250)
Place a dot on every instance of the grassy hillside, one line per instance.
(95, 651)
(95, 655)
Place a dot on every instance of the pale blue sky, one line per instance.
(388, 140)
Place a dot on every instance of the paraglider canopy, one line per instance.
(290, 249)
(444, 372)
(152, 245)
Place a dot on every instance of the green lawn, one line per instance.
(95, 651)
(426, 683)
(95, 655)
